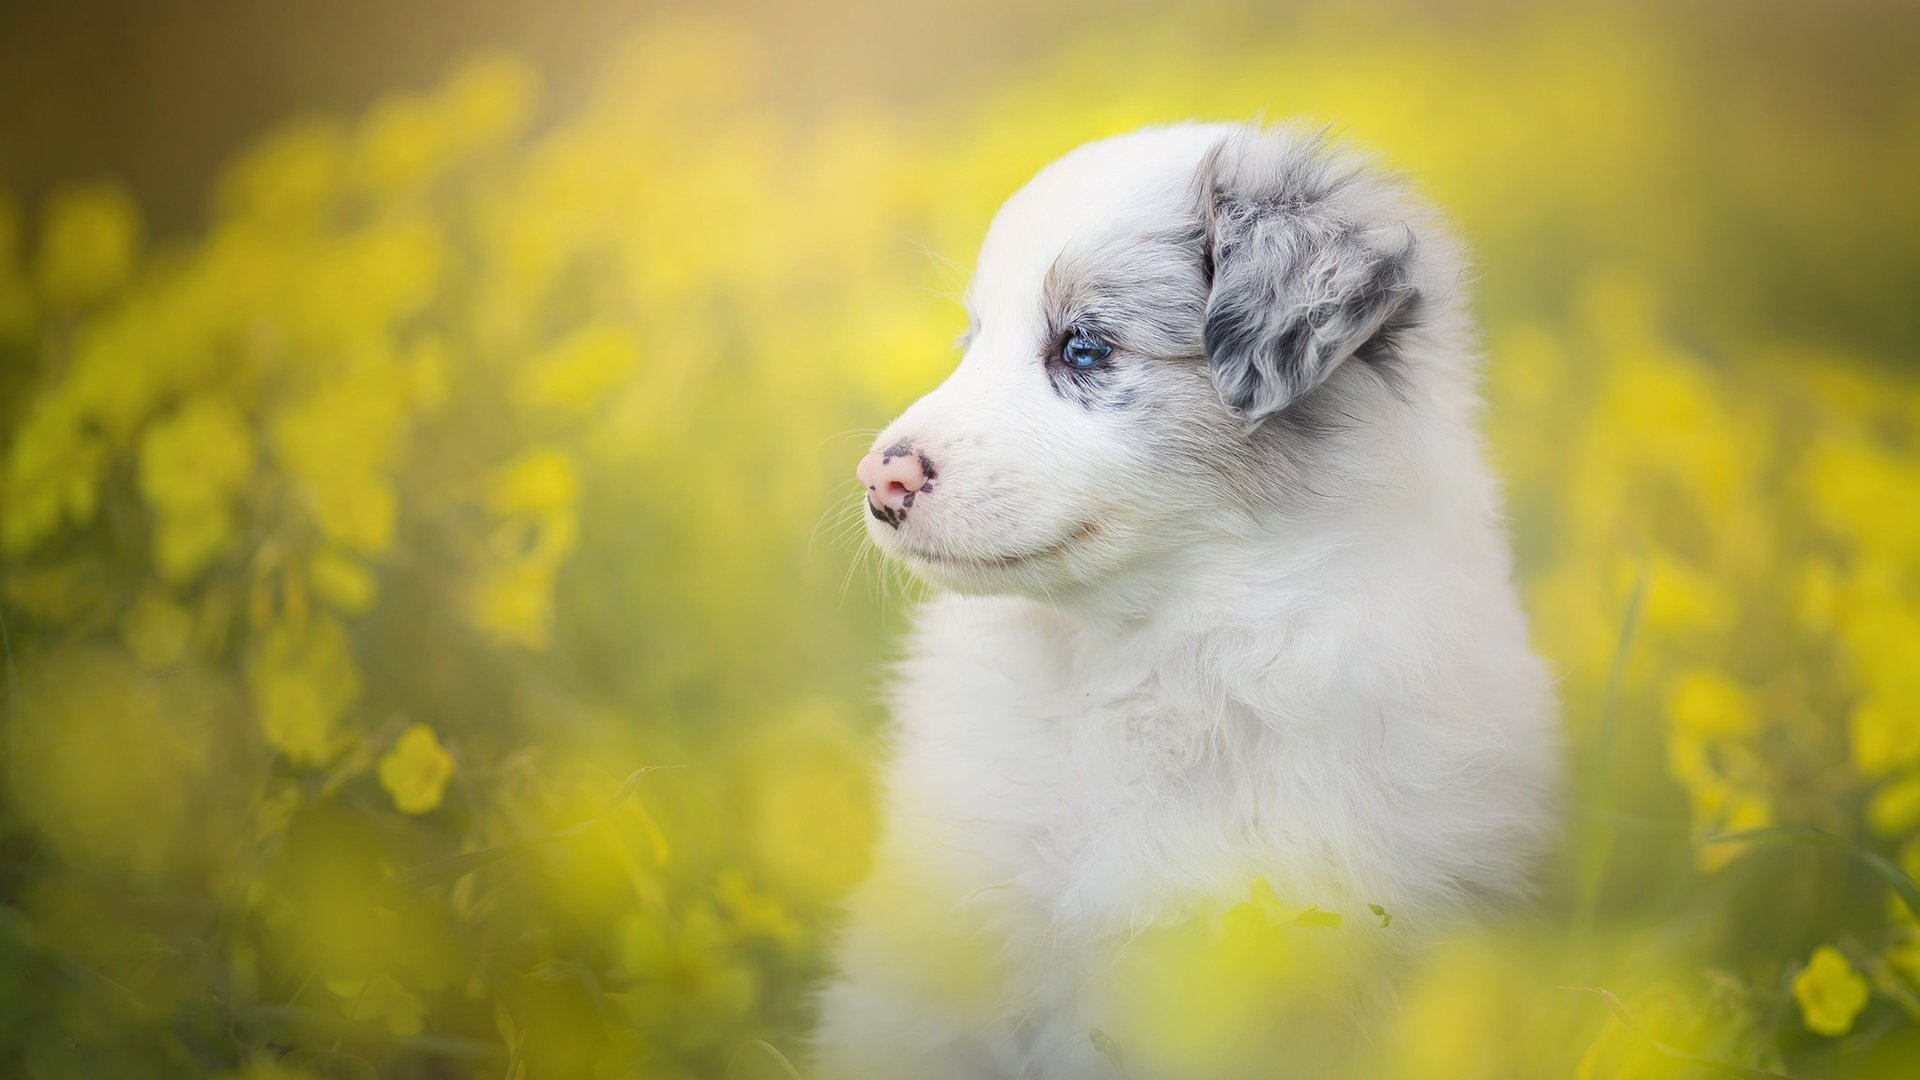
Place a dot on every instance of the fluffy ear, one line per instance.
(1307, 262)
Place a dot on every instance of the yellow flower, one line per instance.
(51, 475)
(302, 680)
(693, 972)
(355, 511)
(1895, 808)
(186, 541)
(539, 481)
(89, 242)
(122, 365)
(394, 267)
(341, 581)
(513, 602)
(400, 146)
(1846, 481)
(1885, 734)
(1706, 702)
(292, 178)
(1204, 991)
(191, 465)
(1830, 992)
(1681, 599)
(1725, 809)
(575, 373)
(812, 818)
(416, 770)
(338, 443)
(754, 913)
(200, 454)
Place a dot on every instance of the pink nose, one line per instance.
(892, 479)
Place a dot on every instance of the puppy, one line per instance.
(1223, 623)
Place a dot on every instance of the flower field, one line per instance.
(438, 640)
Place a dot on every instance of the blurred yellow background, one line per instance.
(419, 421)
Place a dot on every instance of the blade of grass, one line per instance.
(1597, 852)
(1889, 872)
(13, 697)
(774, 1053)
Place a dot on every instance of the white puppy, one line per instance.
(1224, 597)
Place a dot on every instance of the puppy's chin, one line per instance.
(1039, 570)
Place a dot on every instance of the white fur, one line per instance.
(1319, 677)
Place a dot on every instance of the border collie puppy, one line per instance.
(1223, 623)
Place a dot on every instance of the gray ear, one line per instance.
(1307, 263)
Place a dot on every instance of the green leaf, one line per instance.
(1314, 917)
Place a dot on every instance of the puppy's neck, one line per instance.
(1210, 587)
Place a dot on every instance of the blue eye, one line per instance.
(1083, 353)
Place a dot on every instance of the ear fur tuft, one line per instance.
(1308, 262)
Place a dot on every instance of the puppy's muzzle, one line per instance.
(894, 478)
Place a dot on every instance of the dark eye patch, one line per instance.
(1138, 291)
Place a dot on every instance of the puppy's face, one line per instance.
(1138, 309)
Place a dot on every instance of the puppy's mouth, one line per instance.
(1078, 535)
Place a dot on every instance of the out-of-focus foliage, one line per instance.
(357, 555)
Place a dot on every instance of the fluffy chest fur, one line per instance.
(1112, 775)
(1060, 783)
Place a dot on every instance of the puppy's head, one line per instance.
(1160, 324)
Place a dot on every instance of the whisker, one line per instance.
(863, 434)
